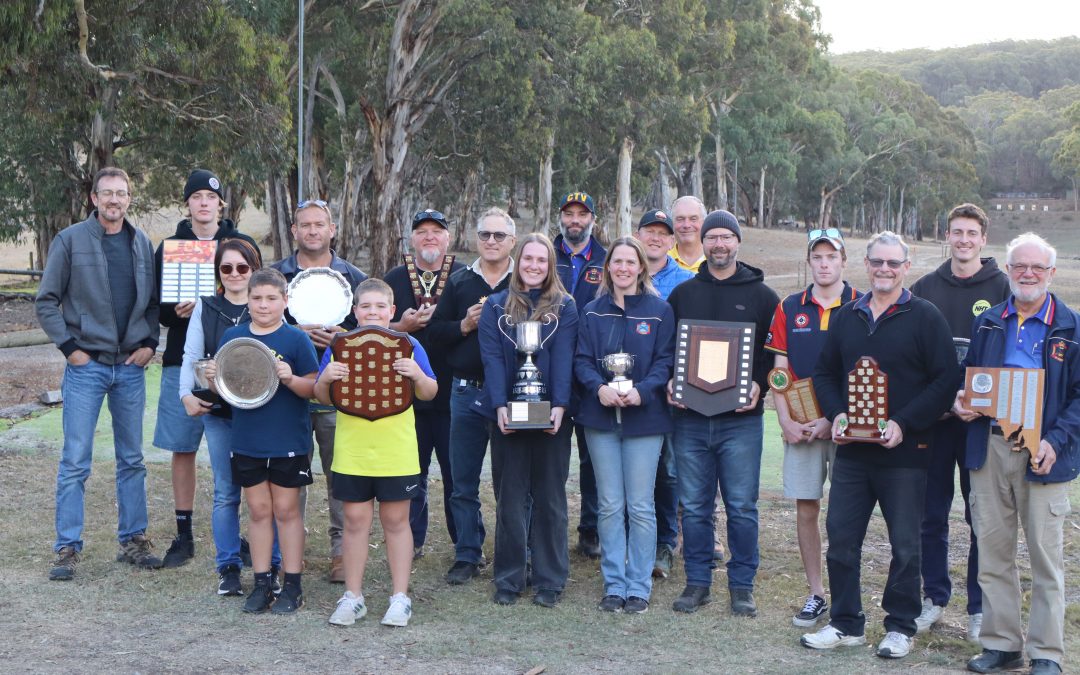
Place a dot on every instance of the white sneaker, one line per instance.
(894, 646)
(829, 637)
(349, 608)
(974, 627)
(931, 614)
(399, 611)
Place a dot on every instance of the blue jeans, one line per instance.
(468, 445)
(84, 389)
(724, 449)
(666, 496)
(625, 469)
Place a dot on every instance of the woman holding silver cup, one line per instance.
(624, 359)
(537, 317)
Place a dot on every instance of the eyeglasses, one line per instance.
(314, 202)
(428, 215)
(830, 232)
(893, 264)
(1021, 270)
(109, 194)
(711, 239)
(241, 268)
(499, 237)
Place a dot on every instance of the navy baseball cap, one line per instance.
(657, 217)
(429, 214)
(582, 198)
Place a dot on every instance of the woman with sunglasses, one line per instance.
(625, 426)
(535, 463)
(234, 262)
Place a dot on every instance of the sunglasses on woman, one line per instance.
(241, 268)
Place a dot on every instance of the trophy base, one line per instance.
(864, 436)
(523, 415)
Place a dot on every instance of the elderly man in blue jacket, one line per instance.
(1032, 329)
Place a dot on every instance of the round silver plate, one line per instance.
(320, 296)
(246, 373)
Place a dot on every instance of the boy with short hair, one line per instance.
(376, 459)
(271, 445)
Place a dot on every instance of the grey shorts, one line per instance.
(806, 466)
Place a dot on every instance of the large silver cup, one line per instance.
(529, 407)
(619, 364)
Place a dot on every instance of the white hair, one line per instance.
(1030, 239)
(693, 200)
(496, 212)
(887, 238)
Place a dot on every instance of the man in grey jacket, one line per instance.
(98, 304)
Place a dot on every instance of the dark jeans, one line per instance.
(432, 433)
(468, 445)
(946, 453)
(587, 482)
(535, 464)
(666, 497)
(855, 488)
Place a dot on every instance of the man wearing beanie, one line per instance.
(175, 431)
(725, 446)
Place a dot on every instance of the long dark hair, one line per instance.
(245, 249)
(552, 293)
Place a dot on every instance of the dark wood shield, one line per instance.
(714, 365)
(373, 389)
(868, 402)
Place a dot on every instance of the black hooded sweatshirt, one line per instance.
(963, 299)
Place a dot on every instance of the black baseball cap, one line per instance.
(656, 216)
(429, 214)
(582, 198)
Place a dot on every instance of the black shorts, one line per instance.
(289, 472)
(349, 488)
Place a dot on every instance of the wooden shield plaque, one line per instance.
(801, 400)
(373, 389)
(868, 402)
(714, 364)
(1012, 396)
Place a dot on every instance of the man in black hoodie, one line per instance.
(726, 446)
(175, 431)
(963, 287)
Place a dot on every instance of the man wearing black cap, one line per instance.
(175, 431)
(579, 258)
(725, 446)
(425, 274)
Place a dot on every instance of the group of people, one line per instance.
(650, 467)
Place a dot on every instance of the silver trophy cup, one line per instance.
(619, 364)
(528, 407)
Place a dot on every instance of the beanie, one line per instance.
(201, 179)
(723, 219)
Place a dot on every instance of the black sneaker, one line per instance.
(812, 612)
(692, 597)
(504, 597)
(611, 603)
(290, 600)
(636, 605)
(229, 581)
(136, 551)
(742, 602)
(260, 599)
(63, 567)
(546, 598)
(588, 544)
(462, 572)
(275, 580)
(245, 553)
(181, 551)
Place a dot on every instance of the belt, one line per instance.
(109, 358)
(479, 384)
(996, 430)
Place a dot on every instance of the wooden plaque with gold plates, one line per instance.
(427, 286)
(1012, 396)
(868, 402)
(714, 365)
(801, 400)
(373, 389)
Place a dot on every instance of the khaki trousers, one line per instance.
(1000, 497)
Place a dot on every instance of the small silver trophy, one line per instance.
(528, 407)
(619, 364)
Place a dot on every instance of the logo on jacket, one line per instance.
(592, 275)
(980, 306)
(644, 328)
(802, 320)
(1057, 351)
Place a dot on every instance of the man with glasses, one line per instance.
(425, 273)
(1032, 329)
(797, 333)
(314, 230)
(913, 346)
(963, 287)
(453, 327)
(176, 431)
(98, 303)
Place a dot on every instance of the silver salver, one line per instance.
(320, 296)
(246, 373)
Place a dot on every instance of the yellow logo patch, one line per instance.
(980, 306)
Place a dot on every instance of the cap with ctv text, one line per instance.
(582, 198)
(201, 179)
(656, 217)
(429, 214)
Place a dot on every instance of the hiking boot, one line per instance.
(181, 551)
(337, 570)
(349, 608)
(588, 544)
(894, 645)
(546, 598)
(974, 628)
(136, 551)
(742, 602)
(229, 581)
(829, 637)
(611, 603)
(245, 553)
(290, 600)
(692, 597)
(1044, 667)
(63, 567)
(399, 611)
(662, 564)
(262, 596)
(462, 572)
(812, 612)
(931, 614)
(504, 597)
(994, 661)
(636, 605)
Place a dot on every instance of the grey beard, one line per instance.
(430, 257)
(580, 239)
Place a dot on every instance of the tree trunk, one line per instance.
(277, 204)
(663, 175)
(721, 173)
(696, 181)
(543, 187)
(761, 200)
(900, 210)
(622, 204)
(311, 188)
(466, 209)
(102, 130)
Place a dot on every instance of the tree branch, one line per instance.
(84, 38)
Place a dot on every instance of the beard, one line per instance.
(575, 239)
(1027, 293)
(430, 256)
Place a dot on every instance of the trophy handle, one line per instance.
(509, 323)
(548, 318)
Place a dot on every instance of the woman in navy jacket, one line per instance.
(533, 463)
(625, 430)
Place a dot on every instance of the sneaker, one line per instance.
(417, 552)
(181, 551)
(462, 572)
(662, 564)
(399, 611)
(742, 602)
(260, 599)
(1044, 667)
(136, 551)
(245, 553)
(931, 614)
(995, 661)
(812, 612)
(636, 605)
(692, 597)
(349, 608)
(290, 600)
(829, 637)
(546, 598)
(974, 627)
(611, 603)
(894, 645)
(229, 581)
(504, 597)
(63, 567)
(588, 544)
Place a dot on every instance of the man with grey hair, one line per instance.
(688, 213)
(453, 326)
(912, 344)
(1031, 329)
